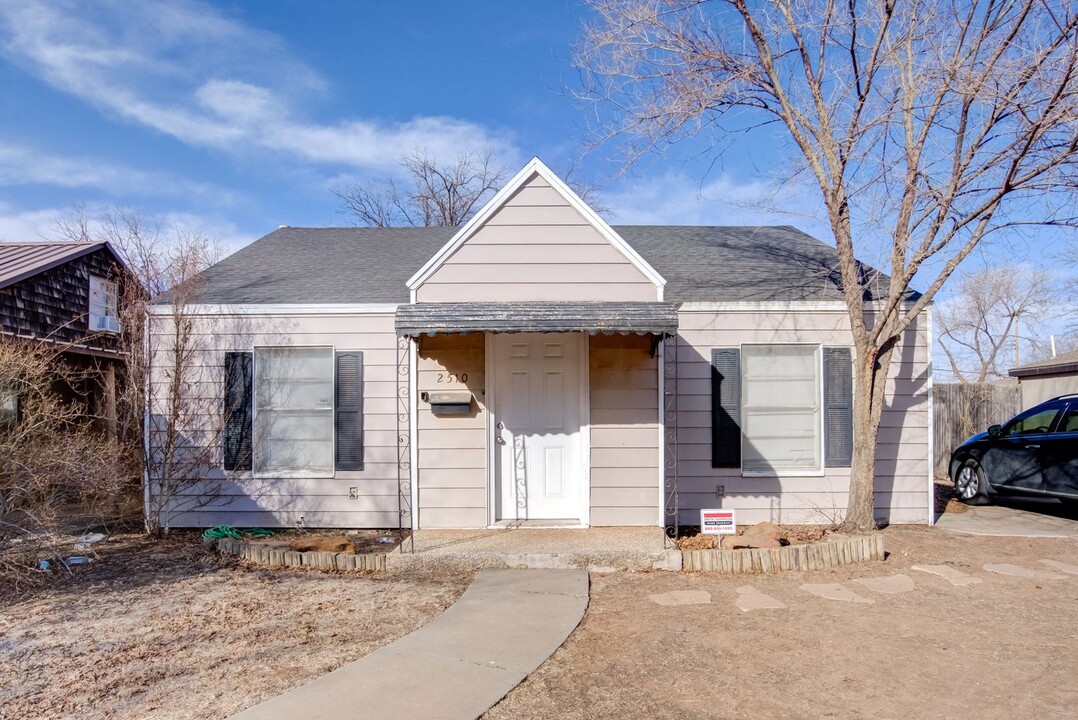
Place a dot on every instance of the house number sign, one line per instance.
(451, 378)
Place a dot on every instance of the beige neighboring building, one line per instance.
(1047, 379)
(538, 366)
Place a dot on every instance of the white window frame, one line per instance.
(111, 290)
(822, 470)
(312, 474)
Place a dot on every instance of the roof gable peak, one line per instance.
(534, 167)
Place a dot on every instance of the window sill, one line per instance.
(299, 475)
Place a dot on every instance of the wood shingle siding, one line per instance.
(54, 304)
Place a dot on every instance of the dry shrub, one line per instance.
(52, 458)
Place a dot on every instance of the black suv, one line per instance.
(1034, 453)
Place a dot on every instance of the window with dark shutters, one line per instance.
(838, 406)
(349, 411)
(726, 408)
(237, 431)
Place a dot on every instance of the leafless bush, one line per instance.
(51, 456)
(167, 425)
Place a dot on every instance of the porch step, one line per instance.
(638, 549)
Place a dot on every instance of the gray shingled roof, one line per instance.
(371, 265)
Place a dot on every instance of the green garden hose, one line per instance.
(227, 531)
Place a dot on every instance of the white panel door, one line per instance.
(538, 398)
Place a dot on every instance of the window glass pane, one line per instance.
(1037, 422)
(781, 410)
(1069, 423)
(102, 297)
(293, 410)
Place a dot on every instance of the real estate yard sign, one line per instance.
(718, 522)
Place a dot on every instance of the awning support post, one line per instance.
(404, 436)
(670, 438)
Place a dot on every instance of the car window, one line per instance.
(1034, 422)
(1069, 421)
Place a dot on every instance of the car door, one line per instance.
(1014, 458)
(1059, 454)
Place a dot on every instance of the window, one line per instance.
(103, 315)
(308, 403)
(294, 419)
(1031, 423)
(1069, 422)
(781, 414)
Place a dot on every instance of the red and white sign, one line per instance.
(718, 522)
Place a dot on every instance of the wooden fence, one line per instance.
(965, 410)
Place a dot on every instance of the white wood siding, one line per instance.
(903, 456)
(452, 448)
(624, 388)
(536, 247)
(244, 500)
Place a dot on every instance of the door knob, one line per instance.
(500, 441)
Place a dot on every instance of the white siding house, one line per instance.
(533, 366)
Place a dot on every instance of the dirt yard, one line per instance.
(1004, 648)
(167, 631)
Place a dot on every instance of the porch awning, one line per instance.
(594, 318)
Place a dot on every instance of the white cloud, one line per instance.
(184, 69)
(28, 225)
(30, 166)
(677, 199)
(22, 225)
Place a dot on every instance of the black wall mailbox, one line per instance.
(449, 403)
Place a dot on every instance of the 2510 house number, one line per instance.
(451, 378)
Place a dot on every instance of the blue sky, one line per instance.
(238, 117)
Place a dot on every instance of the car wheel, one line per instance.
(970, 485)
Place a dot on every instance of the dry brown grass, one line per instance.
(163, 630)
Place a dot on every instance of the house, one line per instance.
(66, 294)
(538, 366)
(1046, 379)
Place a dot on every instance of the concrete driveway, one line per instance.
(1014, 517)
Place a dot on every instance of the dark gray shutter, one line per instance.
(726, 408)
(838, 406)
(349, 411)
(237, 441)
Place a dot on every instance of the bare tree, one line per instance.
(993, 310)
(927, 127)
(166, 420)
(436, 194)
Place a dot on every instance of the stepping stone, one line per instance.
(1062, 566)
(948, 573)
(834, 591)
(1018, 571)
(749, 599)
(682, 597)
(890, 584)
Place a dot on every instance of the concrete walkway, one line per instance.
(1007, 521)
(503, 627)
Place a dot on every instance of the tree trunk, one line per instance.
(870, 385)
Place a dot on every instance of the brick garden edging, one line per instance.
(272, 556)
(812, 556)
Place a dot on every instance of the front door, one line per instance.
(538, 401)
